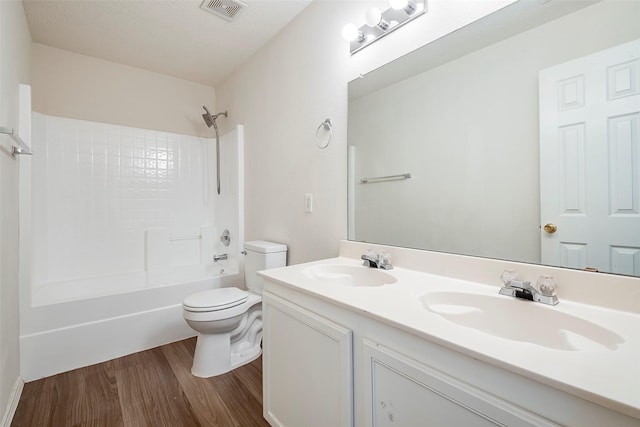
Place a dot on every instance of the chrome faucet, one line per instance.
(373, 260)
(524, 290)
(370, 259)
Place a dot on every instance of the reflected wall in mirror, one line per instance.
(467, 129)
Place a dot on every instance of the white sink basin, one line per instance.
(349, 275)
(518, 320)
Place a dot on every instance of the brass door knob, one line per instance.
(550, 228)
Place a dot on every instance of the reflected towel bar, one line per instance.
(185, 238)
(385, 178)
(22, 147)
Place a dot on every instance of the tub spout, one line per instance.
(220, 257)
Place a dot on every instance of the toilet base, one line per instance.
(219, 353)
(213, 355)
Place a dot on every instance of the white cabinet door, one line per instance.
(307, 367)
(590, 161)
(401, 392)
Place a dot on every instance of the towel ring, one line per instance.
(327, 127)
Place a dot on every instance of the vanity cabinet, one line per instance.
(307, 367)
(328, 364)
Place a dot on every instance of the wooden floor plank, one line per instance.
(250, 376)
(36, 404)
(150, 388)
(96, 401)
(69, 399)
(208, 406)
(149, 392)
(246, 409)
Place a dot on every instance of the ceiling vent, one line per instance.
(227, 9)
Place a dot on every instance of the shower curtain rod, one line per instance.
(22, 147)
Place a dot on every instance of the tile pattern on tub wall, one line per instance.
(98, 187)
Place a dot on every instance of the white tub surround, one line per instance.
(576, 382)
(108, 199)
(118, 225)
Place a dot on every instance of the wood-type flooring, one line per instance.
(152, 388)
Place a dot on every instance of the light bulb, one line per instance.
(350, 32)
(408, 6)
(373, 17)
(398, 4)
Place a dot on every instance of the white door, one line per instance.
(590, 161)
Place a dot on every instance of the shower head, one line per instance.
(209, 119)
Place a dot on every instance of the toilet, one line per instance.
(229, 320)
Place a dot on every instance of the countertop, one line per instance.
(608, 377)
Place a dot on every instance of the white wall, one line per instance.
(468, 133)
(282, 94)
(14, 69)
(286, 90)
(68, 84)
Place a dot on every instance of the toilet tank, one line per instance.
(262, 255)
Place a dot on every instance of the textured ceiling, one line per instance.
(172, 37)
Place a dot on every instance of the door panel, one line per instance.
(590, 161)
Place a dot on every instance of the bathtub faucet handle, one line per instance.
(220, 257)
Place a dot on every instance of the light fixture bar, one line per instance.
(396, 18)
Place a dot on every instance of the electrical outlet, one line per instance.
(308, 202)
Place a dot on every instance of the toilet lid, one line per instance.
(215, 299)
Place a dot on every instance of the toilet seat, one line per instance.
(215, 300)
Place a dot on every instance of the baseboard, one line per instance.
(14, 399)
(60, 350)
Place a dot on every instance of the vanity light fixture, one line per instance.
(378, 24)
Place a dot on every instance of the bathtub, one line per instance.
(100, 286)
(123, 314)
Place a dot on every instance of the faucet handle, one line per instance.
(385, 261)
(370, 259)
(508, 275)
(547, 285)
(371, 255)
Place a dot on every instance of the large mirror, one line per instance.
(456, 125)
